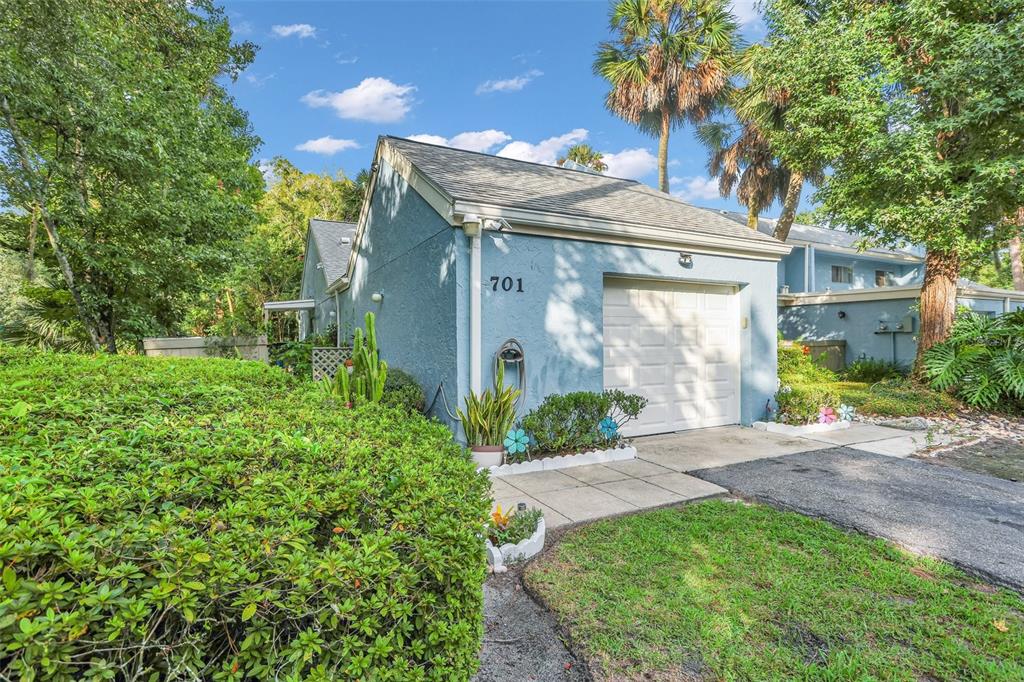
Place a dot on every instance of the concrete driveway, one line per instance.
(971, 520)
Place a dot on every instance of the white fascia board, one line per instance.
(526, 221)
(887, 294)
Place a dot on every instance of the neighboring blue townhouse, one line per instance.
(832, 289)
(571, 279)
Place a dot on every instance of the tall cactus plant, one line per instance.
(365, 383)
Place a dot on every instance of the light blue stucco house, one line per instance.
(574, 280)
(831, 289)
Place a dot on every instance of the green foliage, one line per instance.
(568, 423)
(211, 519)
(873, 369)
(804, 386)
(489, 416)
(120, 136)
(897, 397)
(982, 360)
(365, 382)
(402, 390)
(513, 527)
(914, 106)
(269, 265)
(296, 357)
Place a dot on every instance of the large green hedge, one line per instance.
(217, 519)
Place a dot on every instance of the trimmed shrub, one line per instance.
(402, 390)
(570, 422)
(211, 519)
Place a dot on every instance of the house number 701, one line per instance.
(507, 284)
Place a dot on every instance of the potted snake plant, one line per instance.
(487, 419)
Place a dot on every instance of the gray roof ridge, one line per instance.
(509, 158)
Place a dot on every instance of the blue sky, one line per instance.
(512, 78)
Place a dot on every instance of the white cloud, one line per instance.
(340, 59)
(374, 99)
(288, 30)
(259, 81)
(430, 139)
(327, 145)
(509, 84)
(630, 163)
(243, 28)
(696, 187)
(746, 12)
(545, 151)
(478, 141)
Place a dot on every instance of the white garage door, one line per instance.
(678, 346)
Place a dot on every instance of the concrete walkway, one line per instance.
(658, 476)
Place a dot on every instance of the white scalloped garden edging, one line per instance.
(498, 557)
(565, 461)
(802, 429)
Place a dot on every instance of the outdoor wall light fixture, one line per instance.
(842, 314)
(376, 297)
(685, 259)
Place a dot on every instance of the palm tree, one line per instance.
(741, 159)
(669, 63)
(741, 153)
(584, 155)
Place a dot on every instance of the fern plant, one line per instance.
(982, 361)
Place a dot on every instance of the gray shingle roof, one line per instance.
(334, 243)
(509, 183)
(815, 234)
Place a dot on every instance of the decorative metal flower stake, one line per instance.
(516, 441)
(609, 429)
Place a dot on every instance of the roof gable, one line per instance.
(333, 241)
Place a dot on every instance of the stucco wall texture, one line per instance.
(558, 317)
(821, 322)
(420, 265)
(408, 255)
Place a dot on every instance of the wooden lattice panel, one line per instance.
(327, 360)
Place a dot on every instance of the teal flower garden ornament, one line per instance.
(609, 429)
(516, 441)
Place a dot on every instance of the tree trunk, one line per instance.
(789, 206)
(752, 217)
(666, 126)
(30, 256)
(938, 299)
(1016, 257)
(51, 228)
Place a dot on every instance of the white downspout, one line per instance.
(813, 258)
(475, 258)
(337, 321)
(471, 226)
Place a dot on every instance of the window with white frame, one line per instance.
(842, 274)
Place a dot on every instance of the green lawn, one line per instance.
(722, 590)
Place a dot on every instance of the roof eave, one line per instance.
(591, 229)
